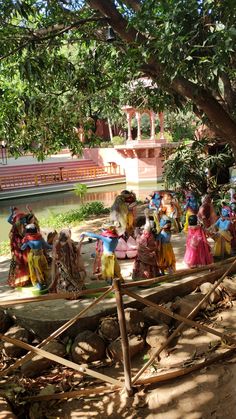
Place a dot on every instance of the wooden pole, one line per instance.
(60, 360)
(189, 322)
(124, 337)
(53, 296)
(181, 326)
(178, 275)
(55, 334)
(72, 394)
(184, 371)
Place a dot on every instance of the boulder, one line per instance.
(157, 335)
(152, 316)
(88, 347)
(134, 321)
(136, 344)
(184, 306)
(16, 332)
(109, 328)
(38, 364)
(215, 296)
(5, 321)
(229, 285)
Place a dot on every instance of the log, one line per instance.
(55, 334)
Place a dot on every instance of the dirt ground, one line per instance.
(209, 393)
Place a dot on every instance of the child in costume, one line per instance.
(109, 264)
(206, 213)
(68, 271)
(223, 235)
(38, 266)
(191, 208)
(145, 264)
(198, 251)
(166, 258)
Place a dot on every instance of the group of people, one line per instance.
(56, 264)
(53, 264)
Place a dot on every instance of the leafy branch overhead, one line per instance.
(57, 68)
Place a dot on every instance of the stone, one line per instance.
(229, 285)
(184, 306)
(88, 347)
(215, 296)
(136, 344)
(109, 329)
(16, 332)
(152, 316)
(157, 335)
(134, 321)
(38, 364)
(5, 321)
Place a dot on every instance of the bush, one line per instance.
(72, 217)
(80, 189)
(117, 140)
(5, 248)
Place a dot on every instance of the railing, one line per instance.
(60, 175)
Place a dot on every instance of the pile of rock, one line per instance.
(147, 329)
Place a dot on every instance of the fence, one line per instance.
(60, 175)
(128, 383)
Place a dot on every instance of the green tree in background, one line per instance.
(57, 67)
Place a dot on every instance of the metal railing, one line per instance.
(59, 175)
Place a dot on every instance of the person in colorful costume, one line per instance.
(37, 262)
(110, 267)
(191, 208)
(145, 264)
(166, 257)
(206, 213)
(18, 275)
(123, 212)
(223, 235)
(68, 271)
(170, 208)
(155, 201)
(198, 251)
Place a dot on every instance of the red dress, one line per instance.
(198, 251)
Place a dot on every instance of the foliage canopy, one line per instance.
(57, 67)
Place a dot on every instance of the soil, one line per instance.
(206, 394)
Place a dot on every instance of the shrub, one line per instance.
(5, 248)
(80, 189)
(72, 217)
(117, 140)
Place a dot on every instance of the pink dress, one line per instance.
(198, 251)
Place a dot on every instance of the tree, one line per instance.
(186, 46)
(191, 168)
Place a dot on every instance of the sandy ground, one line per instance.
(207, 394)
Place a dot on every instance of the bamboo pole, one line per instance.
(178, 275)
(124, 337)
(53, 296)
(184, 371)
(146, 282)
(72, 394)
(181, 326)
(60, 360)
(189, 322)
(55, 334)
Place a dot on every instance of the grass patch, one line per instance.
(75, 216)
